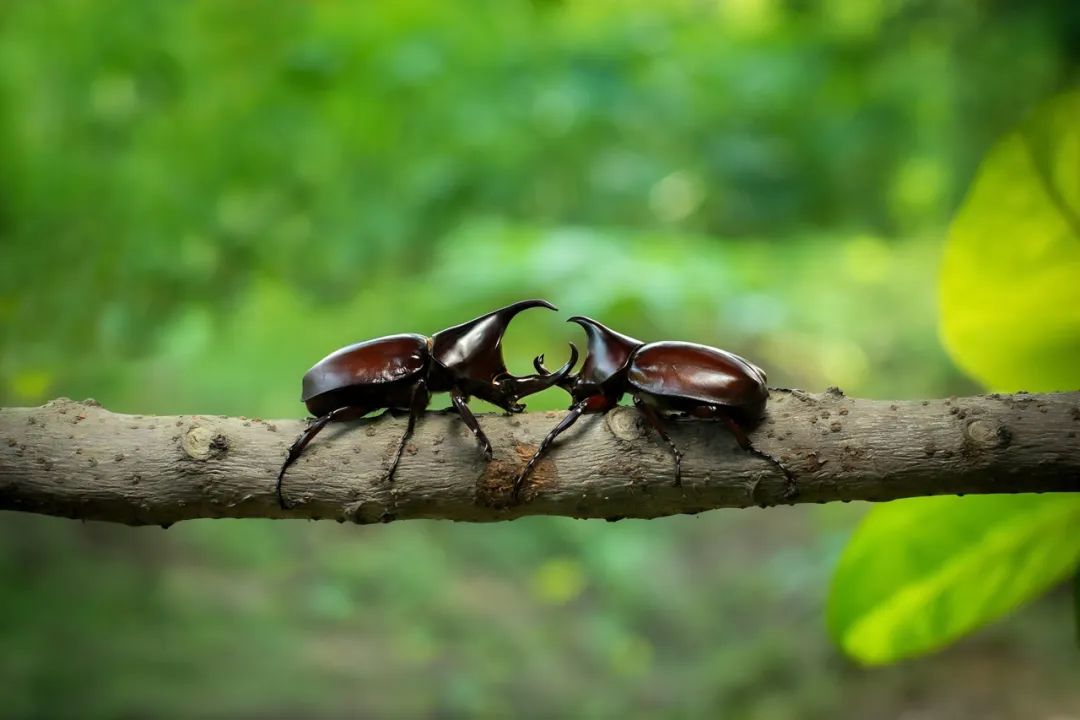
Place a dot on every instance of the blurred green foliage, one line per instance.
(920, 573)
(169, 154)
(198, 200)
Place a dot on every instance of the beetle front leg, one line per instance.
(570, 419)
(460, 399)
(654, 419)
(420, 398)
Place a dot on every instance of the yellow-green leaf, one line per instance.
(1010, 280)
(920, 573)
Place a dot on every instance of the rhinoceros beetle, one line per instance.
(402, 371)
(663, 377)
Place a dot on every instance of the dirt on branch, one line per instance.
(77, 460)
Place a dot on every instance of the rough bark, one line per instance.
(77, 460)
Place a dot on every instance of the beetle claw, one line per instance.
(522, 386)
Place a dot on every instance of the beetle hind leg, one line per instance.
(654, 420)
(314, 427)
(791, 491)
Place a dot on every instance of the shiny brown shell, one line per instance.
(708, 375)
(372, 362)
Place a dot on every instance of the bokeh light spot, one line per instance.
(31, 384)
(867, 259)
(676, 196)
(631, 655)
(114, 97)
(558, 581)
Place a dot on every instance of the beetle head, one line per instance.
(471, 354)
(607, 359)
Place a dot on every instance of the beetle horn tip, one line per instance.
(568, 367)
(573, 355)
(538, 303)
(538, 364)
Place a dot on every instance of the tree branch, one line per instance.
(78, 460)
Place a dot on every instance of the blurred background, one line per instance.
(199, 200)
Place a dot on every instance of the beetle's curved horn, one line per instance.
(567, 380)
(473, 349)
(609, 351)
(530, 384)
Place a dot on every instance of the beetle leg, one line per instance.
(570, 419)
(460, 399)
(654, 420)
(734, 428)
(314, 427)
(420, 398)
(790, 490)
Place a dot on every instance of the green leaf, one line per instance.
(1010, 280)
(920, 573)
